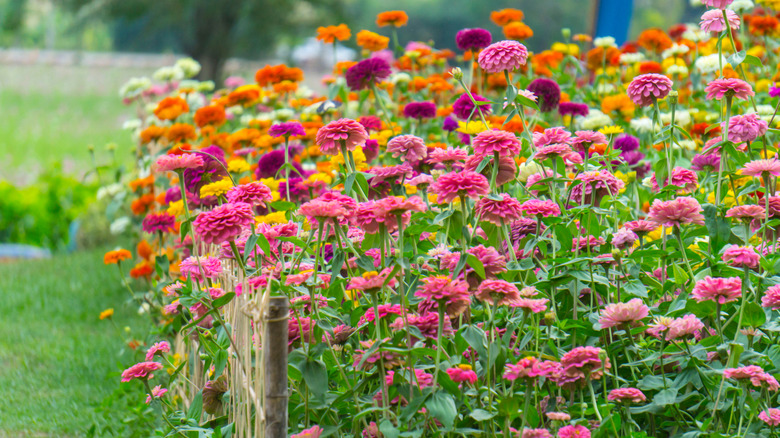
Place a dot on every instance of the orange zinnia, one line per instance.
(506, 16)
(764, 25)
(655, 40)
(395, 18)
(329, 34)
(518, 31)
(171, 107)
(143, 269)
(210, 115)
(244, 95)
(116, 256)
(372, 41)
(180, 132)
(152, 133)
(144, 250)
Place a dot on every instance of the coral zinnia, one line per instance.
(454, 184)
(720, 290)
(503, 56)
(342, 131)
(683, 210)
(497, 292)
(223, 223)
(141, 370)
(720, 88)
(494, 140)
(254, 193)
(583, 362)
(616, 314)
(410, 147)
(454, 294)
(167, 163)
(646, 89)
(627, 395)
(498, 211)
(772, 297)
(741, 256)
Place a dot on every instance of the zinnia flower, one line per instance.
(771, 297)
(473, 39)
(720, 88)
(539, 208)
(720, 290)
(503, 56)
(159, 347)
(746, 128)
(366, 72)
(340, 132)
(167, 163)
(498, 211)
(254, 193)
(681, 177)
(746, 212)
(679, 211)
(162, 222)
(200, 267)
(720, 4)
(547, 91)
(224, 223)
(770, 416)
(463, 106)
(141, 370)
(741, 257)
(462, 373)
(312, 432)
(712, 20)
(497, 292)
(454, 184)
(762, 168)
(582, 362)
(454, 294)
(626, 395)
(496, 141)
(287, 129)
(573, 109)
(617, 314)
(574, 432)
(646, 89)
(420, 110)
(409, 147)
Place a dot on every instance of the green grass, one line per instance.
(52, 114)
(58, 361)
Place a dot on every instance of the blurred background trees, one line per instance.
(212, 31)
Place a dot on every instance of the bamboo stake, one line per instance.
(275, 337)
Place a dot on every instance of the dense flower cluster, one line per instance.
(581, 241)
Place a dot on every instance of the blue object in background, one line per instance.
(613, 17)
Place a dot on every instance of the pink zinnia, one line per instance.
(224, 223)
(747, 212)
(684, 327)
(159, 347)
(574, 432)
(141, 370)
(329, 205)
(595, 185)
(720, 290)
(746, 128)
(741, 257)
(254, 193)
(627, 395)
(536, 433)
(503, 56)
(453, 293)
(525, 368)
(499, 292)
(410, 147)
(558, 416)
(762, 168)
(200, 267)
(498, 211)
(158, 222)
(447, 156)
(757, 376)
(167, 163)
(312, 432)
(507, 168)
(771, 297)
(372, 281)
(342, 131)
(720, 88)
(427, 323)
(646, 89)
(770, 416)
(533, 305)
(421, 181)
(552, 135)
(539, 208)
(459, 375)
(157, 392)
(583, 139)
(494, 141)
(624, 238)
(681, 177)
(581, 362)
(641, 227)
(683, 210)
(720, 4)
(553, 151)
(712, 20)
(617, 314)
(454, 184)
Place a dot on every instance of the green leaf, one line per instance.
(665, 397)
(735, 354)
(753, 60)
(736, 59)
(387, 429)
(219, 365)
(282, 205)
(316, 376)
(224, 299)
(754, 315)
(251, 242)
(196, 407)
(481, 415)
(476, 265)
(442, 406)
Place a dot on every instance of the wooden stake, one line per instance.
(275, 337)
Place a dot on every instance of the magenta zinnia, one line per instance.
(645, 89)
(503, 56)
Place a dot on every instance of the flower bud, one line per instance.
(566, 32)
(457, 73)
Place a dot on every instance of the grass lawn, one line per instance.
(52, 114)
(57, 359)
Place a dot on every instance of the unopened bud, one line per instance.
(457, 73)
(566, 32)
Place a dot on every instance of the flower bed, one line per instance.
(490, 242)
